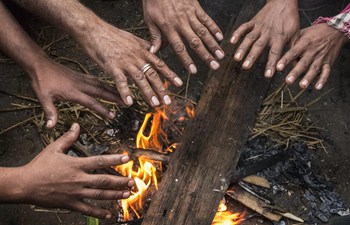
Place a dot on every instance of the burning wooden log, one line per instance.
(201, 169)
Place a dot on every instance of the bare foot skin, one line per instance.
(275, 25)
(177, 19)
(314, 52)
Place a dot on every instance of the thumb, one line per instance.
(67, 139)
(50, 112)
(156, 38)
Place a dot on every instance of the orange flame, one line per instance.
(144, 173)
(225, 217)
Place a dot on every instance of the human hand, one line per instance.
(122, 54)
(184, 18)
(52, 81)
(315, 52)
(56, 180)
(276, 24)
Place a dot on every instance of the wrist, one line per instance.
(12, 185)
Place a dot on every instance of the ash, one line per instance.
(296, 184)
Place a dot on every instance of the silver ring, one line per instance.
(146, 67)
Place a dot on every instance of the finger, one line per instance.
(302, 66)
(160, 66)
(209, 41)
(121, 82)
(292, 54)
(275, 55)
(92, 103)
(90, 210)
(246, 45)
(156, 38)
(209, 23)
(102, 161)
(67, 139)
(50, 111)
(180, 49)
(141, 81)
(255, 52)
(326, 71)
(101, 194)
(94, 81)
(241, 30)
(197, 45)
(99, 91)
(108, 182)
(158, 85)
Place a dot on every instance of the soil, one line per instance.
(20, 145)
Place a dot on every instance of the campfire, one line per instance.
(154, 135)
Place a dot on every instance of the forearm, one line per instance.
(16, 43)
(12, 189)
(69, 15)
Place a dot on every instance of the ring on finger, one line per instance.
(146, 67)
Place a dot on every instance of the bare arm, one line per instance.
(117, 52)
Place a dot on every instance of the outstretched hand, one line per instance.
(54, 179)
(53, 81)
(315, 52)
(275, 25)
(123, 55)
(177, 19)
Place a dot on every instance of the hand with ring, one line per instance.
(177, 19)
(314, 52)
(275, 25)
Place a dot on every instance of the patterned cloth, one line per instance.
(340, 21)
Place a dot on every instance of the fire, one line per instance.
(225, 217)
(144, 172)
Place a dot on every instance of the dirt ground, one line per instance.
(20, 145)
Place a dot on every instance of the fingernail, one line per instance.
(280, 66)
(219, 54)
(268, 73)
(290, 79)
(112, 115)
(131, 183)
(214, 65)
(108, 216)
(246, 64)
(125, 159)
(193, 69)
(152, 49)
(319, 86)
(129, 100)
(219, 36)
(50, 122)
(233, 39)
(126, 194)
(74, 126)
(178, 81)
(155, 101)
(304, 83)
(167, 100)
(238, 56)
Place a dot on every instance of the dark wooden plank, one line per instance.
(201, 168)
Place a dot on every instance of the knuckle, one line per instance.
(195, 43)
(148, 90)
(202, 32)
(92, 101)
(98, 194)
(275, 51)
(87, 210)
(204, 18)
(160, 64)
(153, 74)
(102, 181)
(252, 36)
(259, 43)
(179, 47)
(139, 75)
(100, 161)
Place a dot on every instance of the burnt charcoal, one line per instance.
(318, 197)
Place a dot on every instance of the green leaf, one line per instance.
(92, 221)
